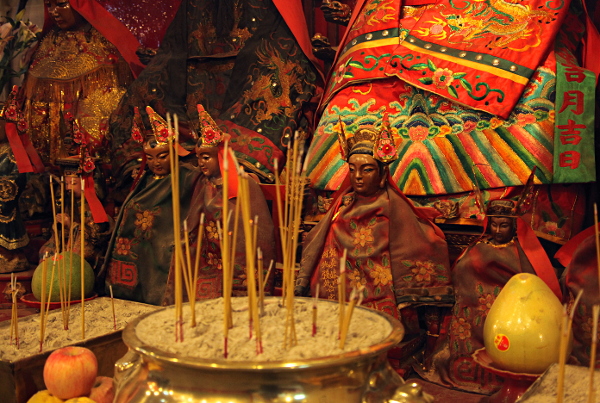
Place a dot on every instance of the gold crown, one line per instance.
(159, 126)
(381, 145)
(210, 134)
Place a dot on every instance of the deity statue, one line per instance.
(478, 91)
(508, 247)
(81, 67)
(248, 62)
(13, 235)
(395, 256)
(140, 250)
(207, 201)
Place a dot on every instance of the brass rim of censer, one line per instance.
(397, 333)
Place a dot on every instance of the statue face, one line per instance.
(158, 159)
(64, 16)
(365, 175)
(502, 229)
(208, 161)
(73, 183)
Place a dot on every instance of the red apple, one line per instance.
(70, 372)
(103, 390)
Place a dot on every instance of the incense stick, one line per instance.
(314, 311)
(112, 303)
(268, 274)
(260, 281)
(348, 317)
(226, 252)
(174, 165)
(43, 299)
(562, 355)
(591, 390)
(82, 257)
(342, 291)
(60, 247)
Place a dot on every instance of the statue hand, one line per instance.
(63, 219)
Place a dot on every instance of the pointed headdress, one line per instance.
(210, 135)
(381, 145)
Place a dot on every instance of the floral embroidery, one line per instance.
(211, 231)
(485, 303)
(363, 236)
(461, 329)
(123, 246)
(144, 220)
(424, 273)
(356, 280)
(243, 140)
(381, 275)
(442, 78)
(214, 261)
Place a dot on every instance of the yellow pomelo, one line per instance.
(69, 266)
(82, 399)
(522, 330)
(44, 396)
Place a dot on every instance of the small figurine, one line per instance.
(395, 255)
(13, 235)
(509, 246)
(208, 200)
(140, 250)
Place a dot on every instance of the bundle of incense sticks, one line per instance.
(63, 273)
(289, 228)
(566, 330)
(249, 226)
(356, 297)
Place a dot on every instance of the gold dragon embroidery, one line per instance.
(503, 21)
(271, 91)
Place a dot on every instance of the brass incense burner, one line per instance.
(146, 374)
